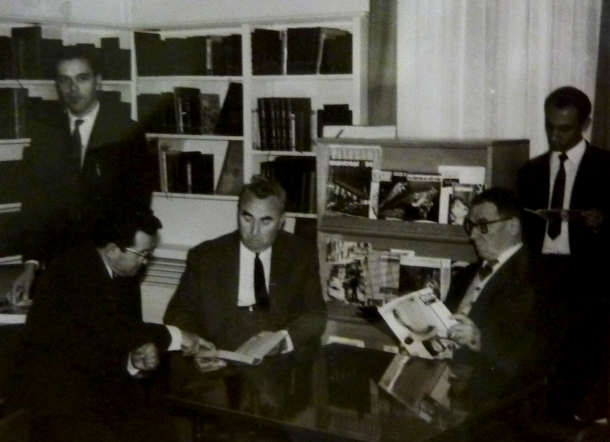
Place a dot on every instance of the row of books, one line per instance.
(197, 55)
(181, 172)
(287, 124)
(26, 55)
(18, 110)
(298, 51)
(187, 110)
(357, 186)
(298, 178)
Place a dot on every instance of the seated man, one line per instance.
(259, 278)
(85, 345)
(496, 303)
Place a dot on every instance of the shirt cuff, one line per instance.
(289, 345)
(33, 261)
(130, 368)
(176, 334)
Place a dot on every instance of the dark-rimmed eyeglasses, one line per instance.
(144, 255)
(469, 225)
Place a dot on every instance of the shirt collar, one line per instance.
(250, 254)
(86, 118)
(575, 153)
(508, 253)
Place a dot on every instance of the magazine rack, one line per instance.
(501, 158)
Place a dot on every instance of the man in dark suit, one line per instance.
(573, 176)
(81, 159)
(85, 347)
(259, 278)
(496, 304)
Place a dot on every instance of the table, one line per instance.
(329, 393)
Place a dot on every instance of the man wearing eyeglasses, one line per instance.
(494, 302)
(85, 346)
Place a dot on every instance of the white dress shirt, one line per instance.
(477, 285)
(85, 128)
(561, 244)
(245, 294)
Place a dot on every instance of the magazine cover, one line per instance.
(392, 184)
(420, 321)
(420, 272)
(348, 280)
(422, 385)
(349, 179)
(459, 185)
(416, 198)
(384, 271)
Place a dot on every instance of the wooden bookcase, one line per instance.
(501, 158)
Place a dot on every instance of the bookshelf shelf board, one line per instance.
(178, 78)
(301, 215)
(195, 196)
(9, 142)
(195, 137)
(10, 207)
(282, 153)
(398, 230)
(116, 82)
(309, 77)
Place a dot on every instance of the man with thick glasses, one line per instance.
(494, 302)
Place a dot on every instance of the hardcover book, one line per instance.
(267, 52)
(230, 121)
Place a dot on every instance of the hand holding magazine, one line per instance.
(420, 320)
(254, 349)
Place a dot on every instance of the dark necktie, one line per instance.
(486, 269)
(557, 198)
(76, 143)
(260, 288)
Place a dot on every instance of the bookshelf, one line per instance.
(319, 88)
(501, 159)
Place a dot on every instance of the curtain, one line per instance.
(382, 63)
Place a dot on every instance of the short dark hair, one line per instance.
(120, 224)
(505, 200)
(570, 96)
(78, 53)
(262, 188)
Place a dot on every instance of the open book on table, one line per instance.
(420, 320)
(254, 349)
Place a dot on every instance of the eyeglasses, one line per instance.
(481, 225)
(144, 255)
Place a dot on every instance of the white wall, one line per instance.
(89, 11)
(150, 12)
(482, 68)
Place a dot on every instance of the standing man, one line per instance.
(254, 279)
(573, 177)
(84, 348)
(495, 302)
(80, 160)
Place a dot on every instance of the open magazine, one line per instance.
(253, 351)
(420, 320)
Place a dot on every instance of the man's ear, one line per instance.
(112, 250)
(587, 124)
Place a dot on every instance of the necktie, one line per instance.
(557, 198)
(260, 288)
(486, 269)
(76, 143)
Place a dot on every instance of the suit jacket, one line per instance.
(58, 198)
(516, 332)
(206, 299)
(78, 337)
(591, 190)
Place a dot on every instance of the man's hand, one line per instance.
(465, 332)
(593, 219)
(191, 344)
(20, 290)
(206, 364)
(145, 357)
